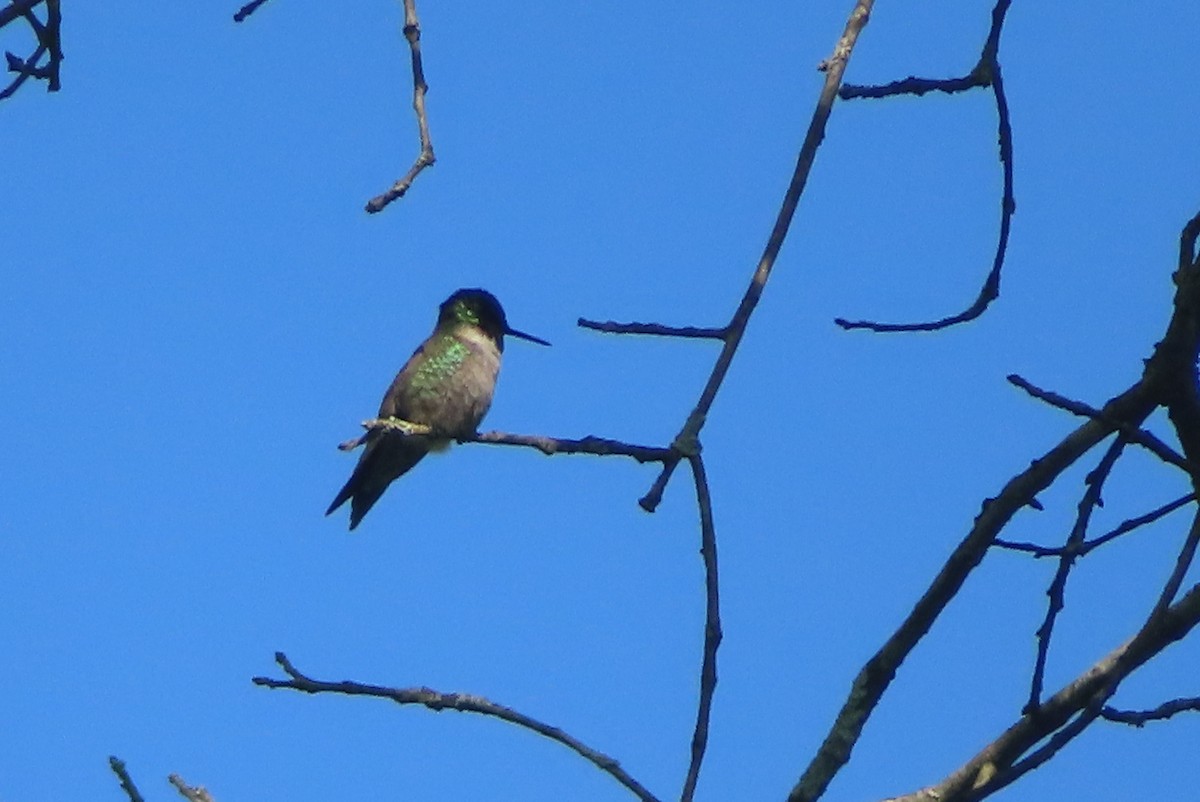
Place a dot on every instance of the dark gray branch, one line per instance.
(465, 703)
(412, 33)
(985, 74)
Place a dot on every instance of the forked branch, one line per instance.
(986, 73)
(1168, 378)
(731, 334)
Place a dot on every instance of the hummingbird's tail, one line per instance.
(384, 461)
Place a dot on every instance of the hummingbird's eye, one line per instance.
(466, 313)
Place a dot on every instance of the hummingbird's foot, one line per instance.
(405, 427)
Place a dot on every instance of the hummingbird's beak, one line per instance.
(514, 333)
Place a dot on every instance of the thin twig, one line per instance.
(693, 332)
(118, 767)
(1183, 561)
(912, 85)
(986, 73)
(247, 10)
(1138, 718)
(1088, 546)
(1143, 438)
(653, 497)
(1056, 593)
(191, 793)
(712, 626)
(461, 702)
(834, 67)
(412, 32)
(25, 69)
(598, 446)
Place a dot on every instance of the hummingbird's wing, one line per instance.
(388, 455)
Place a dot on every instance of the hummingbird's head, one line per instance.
(476, 307)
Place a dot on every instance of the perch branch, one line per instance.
(599, 446)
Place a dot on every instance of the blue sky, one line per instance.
(196, 310)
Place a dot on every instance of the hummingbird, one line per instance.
(447, 385)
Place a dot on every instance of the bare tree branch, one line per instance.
(996, 766)
(118, 767)
(1148, 642)
(1043, 753)
(1168, 379)
(1056, 593)
(1143, 438)
(1086, 547)
(912, 85)
(412, 32)
(708, 549)
(48, 39)
(598, 446)
(1138, 718)
(712, 626)
(1174, 356)
(986, 73)
(878, 673)
(834, 67)
(466, 703)
(188, 792)
(247, 10)
(24, 68)
(425, 158)
(693, 332)
(17, 9)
